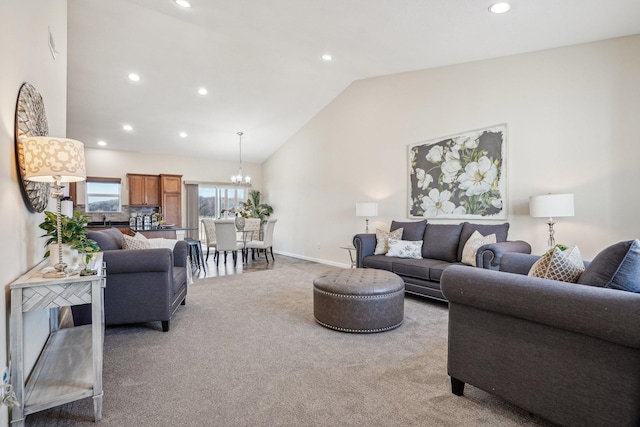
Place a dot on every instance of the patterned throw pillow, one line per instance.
(405, 248)
(132, 243)
(383, 237)
(565, 266)
(473, 244)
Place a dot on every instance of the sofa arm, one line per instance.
(365, 245)
(121, 261)
(489, 256)
(603, 313)
(180, 252)
(513, 262)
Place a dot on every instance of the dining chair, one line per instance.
(266, 243)
(226, 240)
(252, 224)
(210, 235)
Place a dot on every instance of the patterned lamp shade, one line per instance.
(48, 158)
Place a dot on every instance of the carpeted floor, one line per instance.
(246, 351)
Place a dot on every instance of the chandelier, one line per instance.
(240, 179)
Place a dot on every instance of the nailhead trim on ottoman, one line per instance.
(359, 300)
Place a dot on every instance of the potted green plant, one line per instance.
(73, 232)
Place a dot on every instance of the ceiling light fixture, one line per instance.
(240, 179)
(134, 77)
(128, 128)
(183, 134)
(183, 3)
(327, 57)
(501, 7)
(203, 91)
(102, 143)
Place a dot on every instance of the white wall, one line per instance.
(572, 127)
(26, 58)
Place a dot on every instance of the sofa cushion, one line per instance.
(473, 244)
(615, 267)
(418, 268)
(411, 230)
(382, 240)
(435, 272)
(381, 262)
(129, 242)
(108, 239)
(500, 230)
(441, 241)
(565, 266)
(405, 248)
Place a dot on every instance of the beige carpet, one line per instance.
(245, 351)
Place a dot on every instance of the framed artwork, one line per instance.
(460, 176)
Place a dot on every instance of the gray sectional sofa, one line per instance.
(569, 352)
(441, 248)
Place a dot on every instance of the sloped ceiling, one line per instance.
(260, 60)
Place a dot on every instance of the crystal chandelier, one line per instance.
(240, 179)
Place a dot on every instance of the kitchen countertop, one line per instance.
(125, 224)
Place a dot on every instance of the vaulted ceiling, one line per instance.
(261, 60)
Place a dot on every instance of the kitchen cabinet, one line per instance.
(171, 198)
(143, 190)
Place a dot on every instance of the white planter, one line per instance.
(69, 256)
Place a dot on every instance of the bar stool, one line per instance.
(195, 253)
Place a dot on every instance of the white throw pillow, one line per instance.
(129, 242)
(565, 266)
(383, 237)
(405, 248)
(473, 244)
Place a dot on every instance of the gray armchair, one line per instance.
(143, 285)
(567, 352)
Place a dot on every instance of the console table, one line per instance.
(70, 365)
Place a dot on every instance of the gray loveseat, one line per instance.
(442, 247)
(143, 285)
(567, 352)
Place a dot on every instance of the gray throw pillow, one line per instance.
(441, 241)
(500, 230)
(615, 267)
(412, 230)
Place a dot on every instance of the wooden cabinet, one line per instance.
(171, 198)
(143, 190)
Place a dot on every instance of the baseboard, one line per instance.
(318, 260)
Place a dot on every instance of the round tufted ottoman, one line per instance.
(359, 300)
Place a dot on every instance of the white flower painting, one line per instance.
(461, 176)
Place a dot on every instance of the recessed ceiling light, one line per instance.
(102, 143)
(183, 134)
(203, 91)
(327, 57)
(134, 77)
(128, 128)
(501, 7)
(183, 3)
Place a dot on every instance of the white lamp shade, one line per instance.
(46, 157)
(551, 205)
(367, 209)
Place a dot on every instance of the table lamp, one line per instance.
(50, 159)
(367, 209)
(551, 206)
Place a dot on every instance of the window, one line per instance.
(213, 199)
(103, 195)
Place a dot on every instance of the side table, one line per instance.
(70, 365)
(350, 249)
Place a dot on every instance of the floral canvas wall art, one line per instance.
(460, 176)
